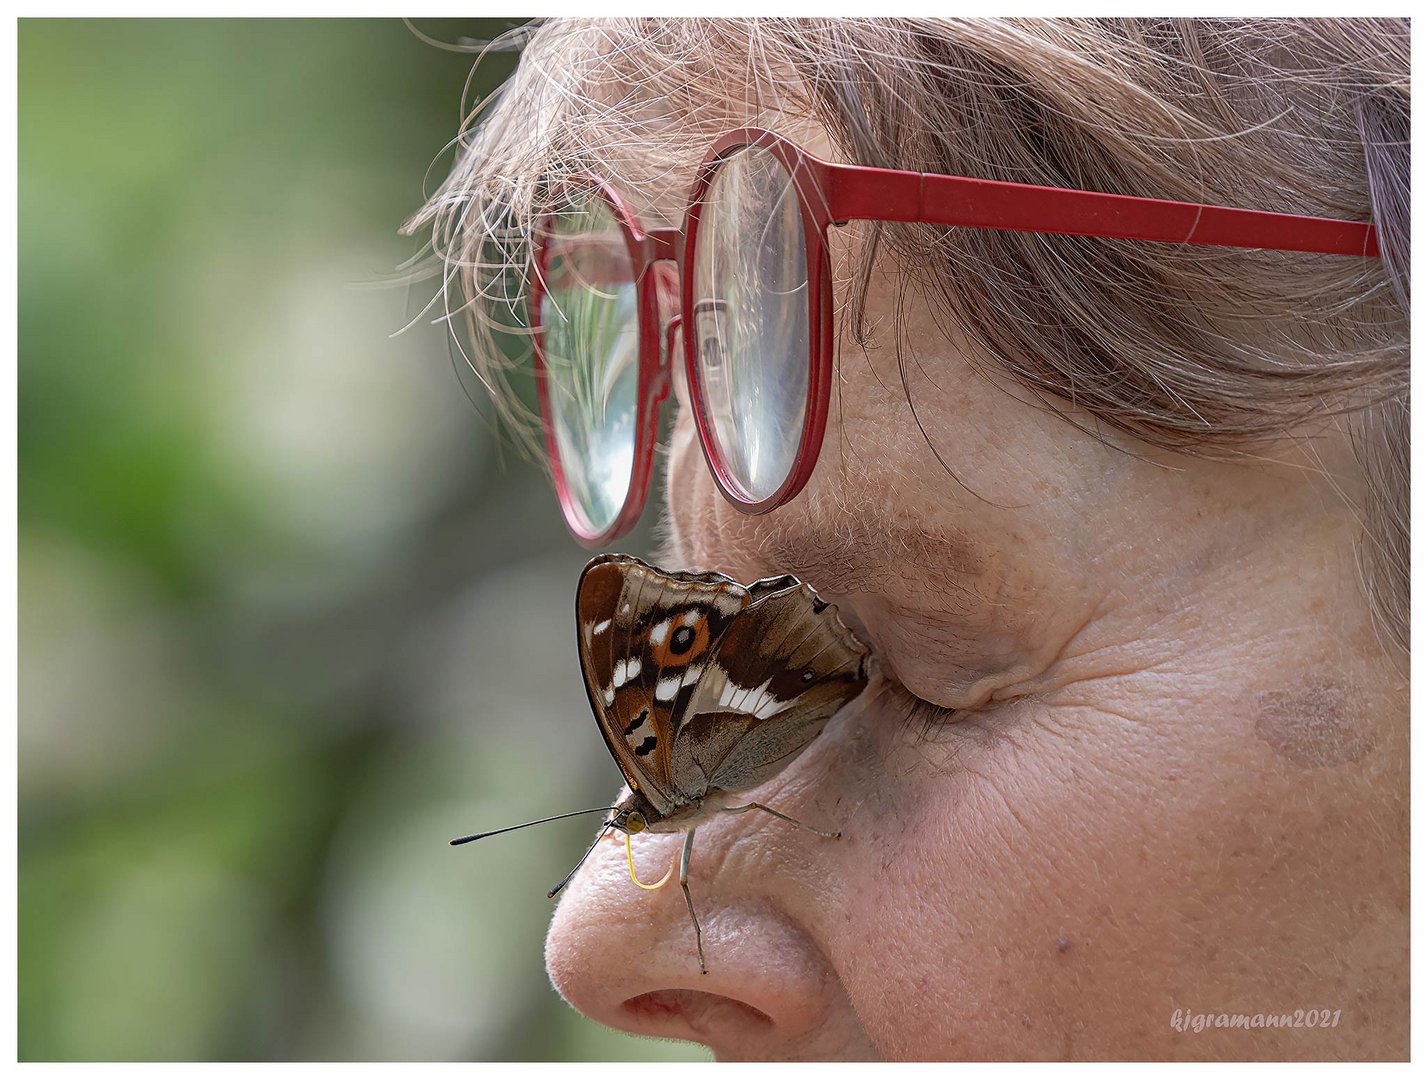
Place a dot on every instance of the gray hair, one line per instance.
(1209, 351)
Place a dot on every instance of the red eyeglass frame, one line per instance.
(830, 194)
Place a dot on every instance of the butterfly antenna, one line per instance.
(538, 821)
(566, 880)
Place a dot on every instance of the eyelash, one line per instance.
(918, 712)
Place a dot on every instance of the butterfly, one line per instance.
(704, 688)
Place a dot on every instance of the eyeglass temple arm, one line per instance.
(859, 193)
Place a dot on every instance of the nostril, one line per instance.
(693, 1011)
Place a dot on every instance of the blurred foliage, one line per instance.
(290, 617)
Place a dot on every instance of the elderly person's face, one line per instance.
(1133, 747)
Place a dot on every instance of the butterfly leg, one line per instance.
(784, 817)
(689, 903)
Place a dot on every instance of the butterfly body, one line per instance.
(636, 814)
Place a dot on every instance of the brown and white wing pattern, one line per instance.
(646, 637)
(783, 667)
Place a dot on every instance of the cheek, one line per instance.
(1054, 882)
(964, 929)
(927, 934)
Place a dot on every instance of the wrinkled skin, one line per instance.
(1176, 776)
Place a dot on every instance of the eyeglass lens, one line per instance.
(590, 327)
(751, 320)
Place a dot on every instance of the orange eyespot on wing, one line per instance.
(679, 640)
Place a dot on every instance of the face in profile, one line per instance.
(1134, 748)
(1134, 745)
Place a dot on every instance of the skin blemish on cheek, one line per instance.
(1314, 725)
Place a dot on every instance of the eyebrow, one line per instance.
(869, 557)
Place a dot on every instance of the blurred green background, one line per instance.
(290, 616)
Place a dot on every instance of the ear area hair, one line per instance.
(1382, 431)
(1384, 125)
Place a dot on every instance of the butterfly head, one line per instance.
(629, 821)
(634, 814)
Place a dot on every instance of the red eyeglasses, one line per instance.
(755, 304)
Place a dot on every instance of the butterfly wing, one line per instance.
(646, 637)
(783, 667)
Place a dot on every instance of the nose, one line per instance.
(626, 957)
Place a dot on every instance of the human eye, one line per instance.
(914, 713)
